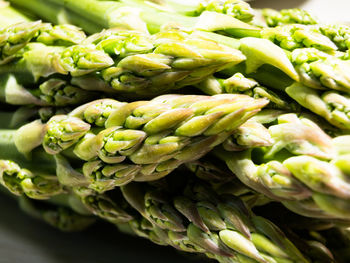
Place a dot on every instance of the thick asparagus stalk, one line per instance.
(142, 140)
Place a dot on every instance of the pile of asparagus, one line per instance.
(208, 126)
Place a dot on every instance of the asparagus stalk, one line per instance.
(189, 216)
(320, 70)
(252, 48)
(303, 168)
(51, 92)
(139, 141)
(16, 36)
(57, 214)
(239, 84)
(288, 16)
(141, 64)
(10, 16)
(22, 181)
(332, 106)
(198, 220)
(238, 9)
(135, 15)
(290, 37)
(60, 217)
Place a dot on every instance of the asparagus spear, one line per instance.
(22, 181)
(303, 168)
(290, 37)
(131, 14)
(197, 220)
(60, 217)
(240, 84)
(189, 216)
(320, 70)
(15, 37)
(141, 64)
(332, 106)
(238, 9)
(288, 16)
(339, 34)
(52, 91)
(57, 214)
(141, 140)
(252, 48)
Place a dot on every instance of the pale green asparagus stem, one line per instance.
(10, 15)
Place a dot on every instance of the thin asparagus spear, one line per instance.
(22, 181)
(60, 217)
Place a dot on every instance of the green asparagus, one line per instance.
(140, 64)
(288, 16)
(17, 36)
(200, 221)
(22, 181)
(60, 217)
(140, 141)
(53, 91)
(303, 167)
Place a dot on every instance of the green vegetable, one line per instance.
(302, 167)
(143, 140)
(288, 16)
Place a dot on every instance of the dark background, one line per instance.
(24, 239)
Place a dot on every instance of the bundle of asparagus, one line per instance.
(198, 172)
